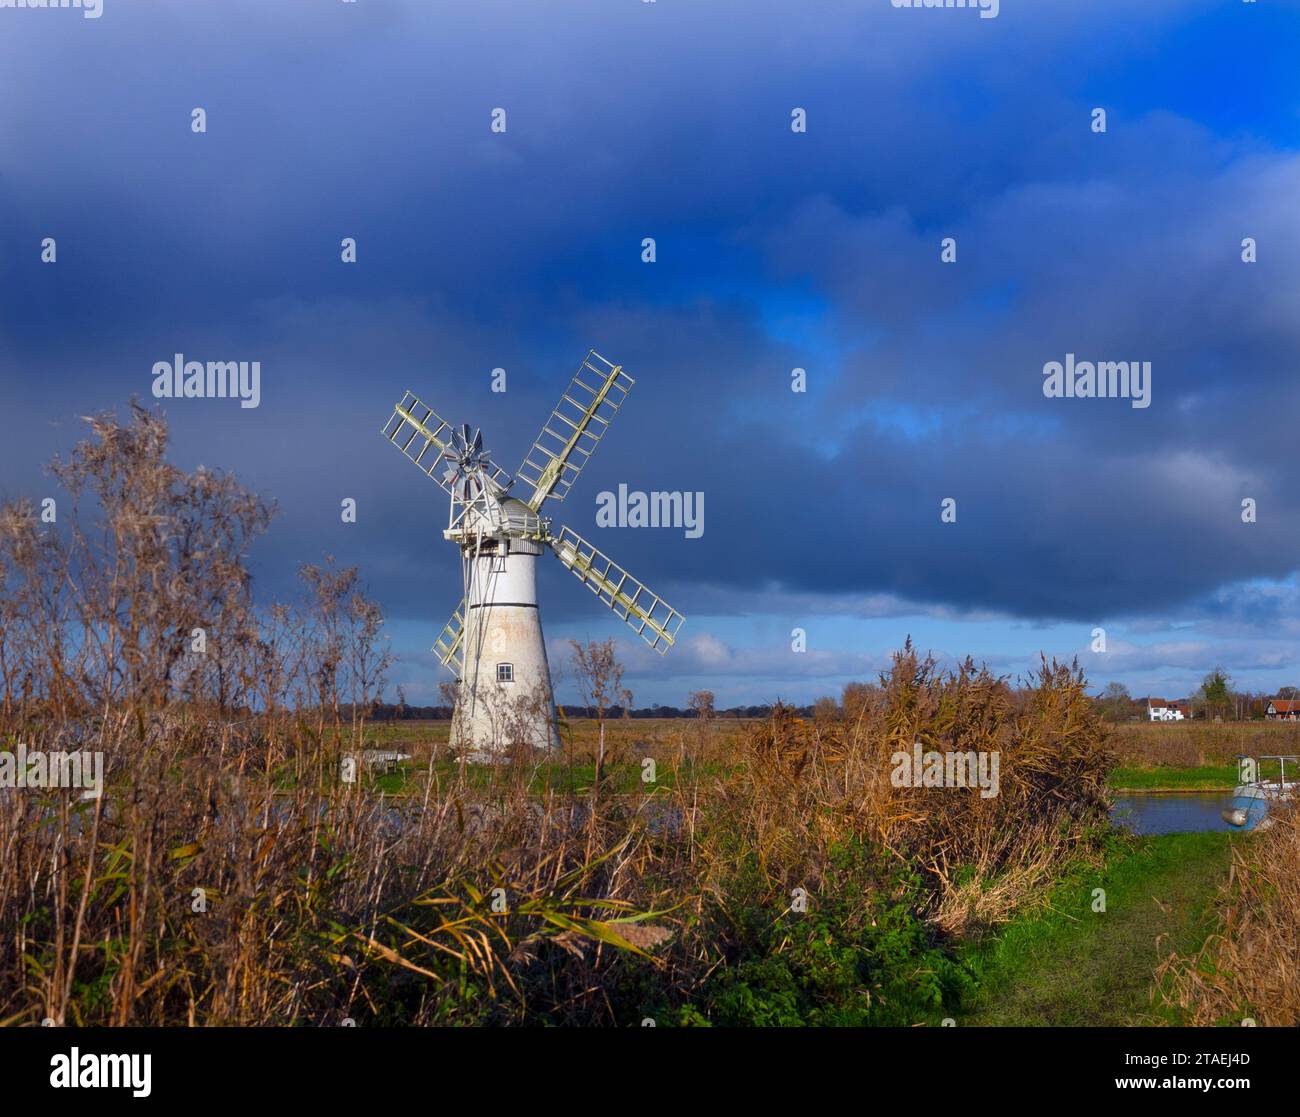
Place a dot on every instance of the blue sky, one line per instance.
(776, 250)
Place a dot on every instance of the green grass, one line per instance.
(1070, 966)
(625, 777)
(620, 779)
(1208, 778)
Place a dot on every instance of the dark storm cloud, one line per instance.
(775, 251)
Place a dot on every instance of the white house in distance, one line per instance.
(1160, 710)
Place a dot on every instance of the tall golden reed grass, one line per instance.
(227, 876)
(1249, 969)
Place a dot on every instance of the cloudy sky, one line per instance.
(776, 250)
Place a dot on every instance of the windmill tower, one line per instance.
(493, 641)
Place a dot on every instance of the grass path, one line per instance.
(1071, 966)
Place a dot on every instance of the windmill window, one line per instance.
(498, 564)
(505, 672)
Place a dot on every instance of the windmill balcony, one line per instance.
(510, 518)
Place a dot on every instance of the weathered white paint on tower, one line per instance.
(505, 697)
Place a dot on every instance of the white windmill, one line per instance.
(493, 641)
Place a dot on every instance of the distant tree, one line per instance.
(330, 589)
(855, 699)
(701, 701)
(1288, 692)
(599, 676)
(825, 709)
(1116, 702)
(1216, 692)
(368, 654)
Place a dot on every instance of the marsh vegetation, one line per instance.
(767, 872)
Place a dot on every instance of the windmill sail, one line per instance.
(653, 619)
(426, 438)
(450, 645)
(575, 427)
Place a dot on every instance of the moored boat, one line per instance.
(1254, 796)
